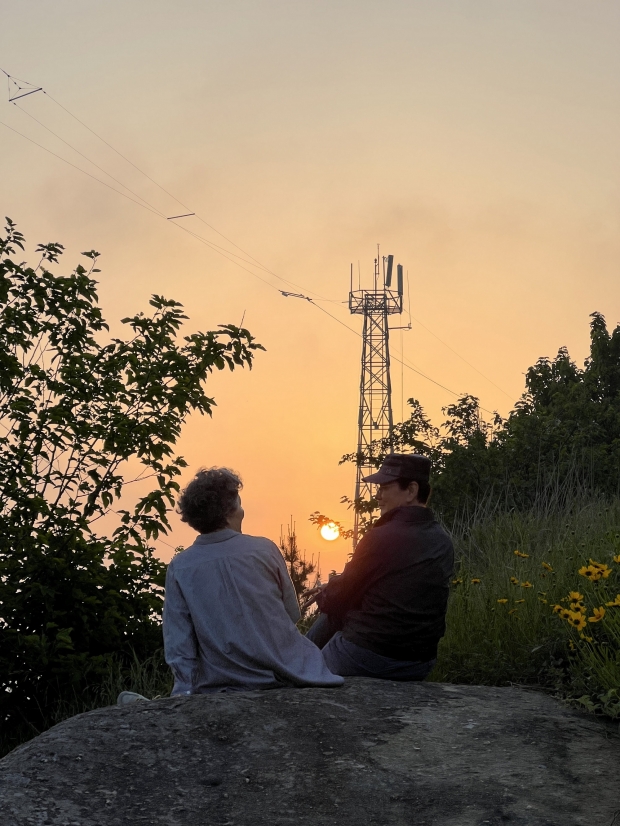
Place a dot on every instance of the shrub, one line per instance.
(74, 409)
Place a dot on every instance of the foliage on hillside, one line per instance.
(564, 431)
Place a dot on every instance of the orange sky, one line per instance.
(477, 141)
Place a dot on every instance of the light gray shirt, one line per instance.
(229, 618)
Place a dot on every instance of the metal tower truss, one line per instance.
(375, 411)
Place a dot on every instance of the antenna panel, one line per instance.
(399, 271)
(388, 276)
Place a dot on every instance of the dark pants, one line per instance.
(350, 660)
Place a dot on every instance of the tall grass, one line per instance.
(501, 627)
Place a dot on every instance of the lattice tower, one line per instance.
(375, 411)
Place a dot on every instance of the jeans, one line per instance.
(350, 660)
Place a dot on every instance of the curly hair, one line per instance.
(209, 499)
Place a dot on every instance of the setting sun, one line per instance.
(330, 531)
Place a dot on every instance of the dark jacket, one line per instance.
(392, 596)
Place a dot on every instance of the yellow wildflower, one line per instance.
(504, 601)
(547, 567)
(557, 609)
(590, 572)
(604, 569)
(540, 599)
(599, 613)
(587, 639)
(512, 611)
(615, 603)
(514, 580)
(475, 581)
(457, 581)
(578, 606)
(571, 645)
(519, 601)
(578, 621)
(522, 555)
(526, 584)
(575, 596)
(617, 559)
(564, 613)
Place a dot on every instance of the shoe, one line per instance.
(126, 697)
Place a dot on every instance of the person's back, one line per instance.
(230, 606)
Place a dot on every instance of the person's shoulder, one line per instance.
(260, 544)
(238, 545)
(370, 540)
(437, 527)
(437, 537)
(183, 555)
(181, 561)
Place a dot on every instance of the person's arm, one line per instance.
(287, 589)
(345, 592)
(180, 645)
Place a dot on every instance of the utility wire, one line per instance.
(163, 189)
(45, 149)
(211, 246)
(401, 361)
(215, 247)
(144, 205)
(252, 262)
(445, 344)
(100, 168)
(154, 208)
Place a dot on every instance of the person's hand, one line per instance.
(308, 597)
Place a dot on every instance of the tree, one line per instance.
(563, 434)
(299, 568)
(73, 410)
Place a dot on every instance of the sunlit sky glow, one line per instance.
(476, 141)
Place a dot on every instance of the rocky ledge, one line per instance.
(371, 752)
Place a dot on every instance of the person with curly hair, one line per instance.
(230, 607)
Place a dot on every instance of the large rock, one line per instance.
(371, 752)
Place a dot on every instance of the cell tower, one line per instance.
(375, 411)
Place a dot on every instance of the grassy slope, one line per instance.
(522, 640)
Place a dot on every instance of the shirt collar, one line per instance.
(406, 513)
(215, 536)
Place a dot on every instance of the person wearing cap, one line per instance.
(385, 614)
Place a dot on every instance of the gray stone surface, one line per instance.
(371, 752)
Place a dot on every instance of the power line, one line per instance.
(219, 251)
(100, 168)
(252, 262)
(445, 344)
(163, 189)
(215, 247)
(79, 169)
(402, 361)
(153, 208)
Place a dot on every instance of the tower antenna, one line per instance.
(375, 423)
